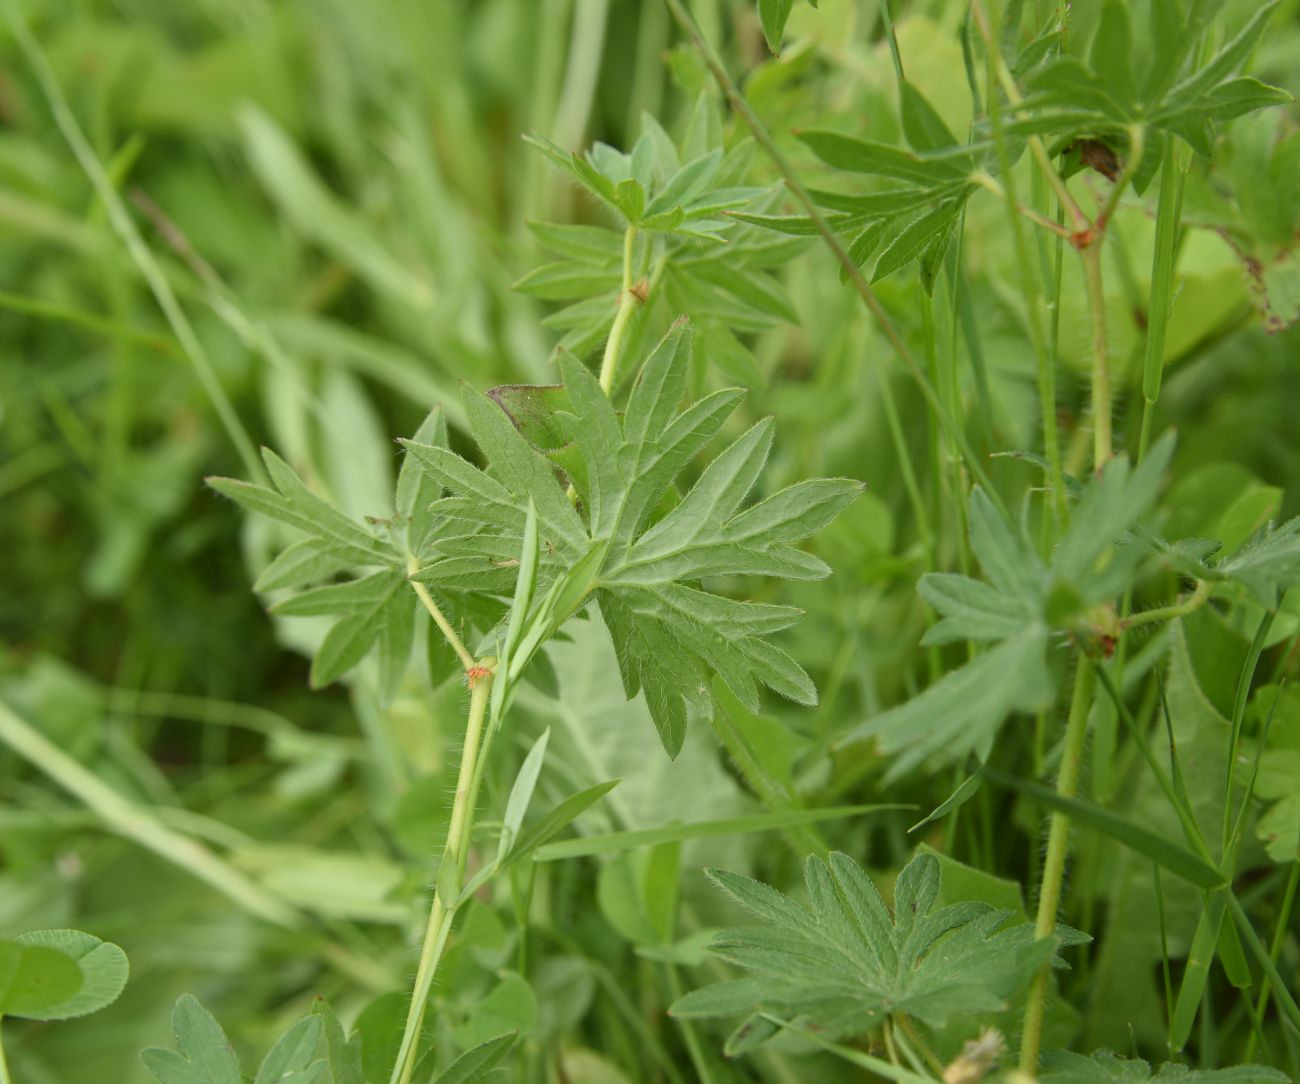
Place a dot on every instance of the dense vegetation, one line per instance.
(829, 613)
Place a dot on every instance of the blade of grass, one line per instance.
(1286, 1002)
(67, 314)
(140, 253)
(1275, 951)
(135, 823)
(611, 842)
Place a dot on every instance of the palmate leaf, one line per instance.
(205, 1055)
(689, 246)
(840, 963)
(915, 217)
(1068, 97)
(656, 186)
(1022, 607)
(375, 608)
(1269, 564)
(1103, 1067)
(670, 635)
(314, 1050)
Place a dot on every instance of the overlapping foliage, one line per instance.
(1047, 222)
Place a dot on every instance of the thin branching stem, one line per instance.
(439, 618)
(1191, 604)
(1043, 358)
(1037, 149)
(1049, 898)
(989, 183)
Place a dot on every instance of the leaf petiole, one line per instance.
(439, 618)
(1189, 605)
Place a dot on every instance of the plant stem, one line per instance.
(1193, 602)
(450, 872)
(627, 305)
(135, 823)
(439, 618)
(989, 183)
(1102, 444)
(1030, 284)
(1049, 898)
(1168, 215)
(931, 1058)
(5, 1078)
(887, 1032)
(1005, 79)
(1137, 146)
(1090, 252)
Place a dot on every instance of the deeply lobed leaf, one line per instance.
(670, 635)
(841, 963)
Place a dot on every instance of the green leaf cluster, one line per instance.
(1022, 607)
(916, 197)
(914, 214)
(1103, 96)
(314, 1050)
(677, 239)
(1103, 1067)
(348, 571)
(842, 963)
(631, 544)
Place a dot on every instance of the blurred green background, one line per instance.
(339, 196)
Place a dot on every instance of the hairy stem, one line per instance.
(450, 873)
(1102, 441)
(1191, 604)
(1168, 215)
(627, 305)
(1030, 284)
(439, 618)
(907, 1028)
(1049, 897)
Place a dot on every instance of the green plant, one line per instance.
(57, 975)
(1025, 794)
(596, 542)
